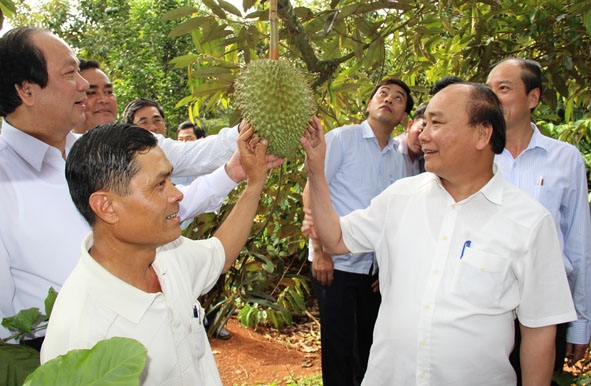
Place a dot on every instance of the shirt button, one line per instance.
(435, 272)
(444, 238)
(453, 207)
(427, 306)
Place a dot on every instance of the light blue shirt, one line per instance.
(357, 170)
(553, 172)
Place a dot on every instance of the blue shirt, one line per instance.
(357, 170)
(553, 172)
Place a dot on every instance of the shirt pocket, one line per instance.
(479, 278)
(550, 197)
(198, 335)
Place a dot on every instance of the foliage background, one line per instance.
(186, 54)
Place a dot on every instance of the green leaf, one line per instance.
(24, 321)
(188, 26)
(216, 9)
(185, 10)
(115, 361)
(49, 302)
(230, 8)
(8, 8)
(16, 363)
(184, 60)
(204, 71)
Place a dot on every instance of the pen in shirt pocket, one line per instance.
(196, 311)
(466, 245)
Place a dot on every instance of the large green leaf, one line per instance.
(16, 363)
(115, 361)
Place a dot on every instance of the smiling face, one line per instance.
(387, 106)
(102, 102)
(448, 141)
(61, 104)
(148, 214)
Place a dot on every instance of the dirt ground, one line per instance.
(260, 357)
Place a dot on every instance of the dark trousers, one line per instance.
(348, 312)
(560, 350)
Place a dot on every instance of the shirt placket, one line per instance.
(425, 326)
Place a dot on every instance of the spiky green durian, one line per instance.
(276, 99)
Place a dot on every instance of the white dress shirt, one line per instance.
(452, 277)
(95, 305)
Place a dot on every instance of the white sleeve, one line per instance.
(7, 289)
(205, 194)
(200, 157)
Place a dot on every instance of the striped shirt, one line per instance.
(357, 170)
(553, 172)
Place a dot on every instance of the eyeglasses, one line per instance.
(158, 122)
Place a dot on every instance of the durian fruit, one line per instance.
(276, 99)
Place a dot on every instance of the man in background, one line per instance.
(188, 131)
(101, 104)
(147, 114)
(410, 146)
(552, 172)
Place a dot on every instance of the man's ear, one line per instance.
(26, 91)
(533, 98)
(483, 135)
(101, 204)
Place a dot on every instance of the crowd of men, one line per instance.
(454, 254)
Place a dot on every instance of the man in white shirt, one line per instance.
(460, 251)
(42, 98)
(137, 278)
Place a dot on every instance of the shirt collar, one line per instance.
(537, 139)
(492, 190)
(367, 132)
(123, 298)
(29, 148)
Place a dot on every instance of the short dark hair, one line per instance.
(87, 64)
(105, 159)
(138, 103)
(409, 101)
(420, 111)
(197, 130)
(484, 107)
(531, 73)
(20, 61)
(444, 82)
